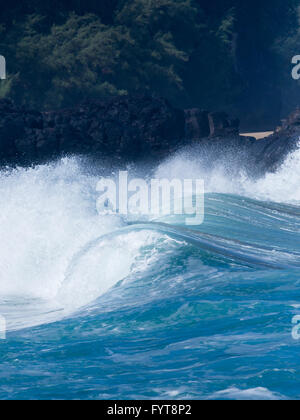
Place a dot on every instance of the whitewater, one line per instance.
(103, 307)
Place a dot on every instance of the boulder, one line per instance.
(196, 124)
(221, 125)
(269, 153)
(131, 128)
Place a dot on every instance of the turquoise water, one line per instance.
(103, 308)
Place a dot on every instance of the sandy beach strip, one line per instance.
(259, 135)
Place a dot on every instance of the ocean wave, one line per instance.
(154, 297)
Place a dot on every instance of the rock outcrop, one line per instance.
(270, 152)
(130, 128)
(196, 124)
(124, 127)
(200, 124)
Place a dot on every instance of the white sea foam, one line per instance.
(224, 176)
(248, 394)
(48, 215)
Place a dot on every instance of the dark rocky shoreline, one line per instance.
(131, 128)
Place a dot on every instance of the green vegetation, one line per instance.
(218, 54)
(287, 47)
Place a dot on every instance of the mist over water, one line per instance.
(183, 314)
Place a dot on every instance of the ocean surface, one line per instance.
(103, 307)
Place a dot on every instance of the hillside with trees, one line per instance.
(220, 55)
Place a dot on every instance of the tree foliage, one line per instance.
(59, 63)
(218, 54)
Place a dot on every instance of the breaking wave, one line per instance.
(182, 313)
